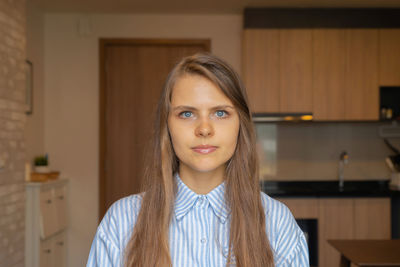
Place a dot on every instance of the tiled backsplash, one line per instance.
(310, 151)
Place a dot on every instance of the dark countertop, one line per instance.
(374, 188)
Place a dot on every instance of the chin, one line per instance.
(206, 167)
(202, 168)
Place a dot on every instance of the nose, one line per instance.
(204, 129)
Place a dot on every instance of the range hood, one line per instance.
(275, 117)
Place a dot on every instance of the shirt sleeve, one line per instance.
(105, 247)
(299, 255)
(103, 252)
(291, 244)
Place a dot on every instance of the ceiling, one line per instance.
(194, 7)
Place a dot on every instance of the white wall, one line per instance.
(34, 130)
(72, 96)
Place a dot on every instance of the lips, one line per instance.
(204, 149)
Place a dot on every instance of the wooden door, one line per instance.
(132, 75)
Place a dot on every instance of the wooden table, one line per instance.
(368, 252)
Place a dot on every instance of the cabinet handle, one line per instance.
(61, 197)
(61, 243)
(48, 201)
(47, 250)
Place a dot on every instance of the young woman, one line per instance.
(202, 204)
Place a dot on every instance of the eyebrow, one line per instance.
(193, 108)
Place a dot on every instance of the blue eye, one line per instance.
(186, 114)
(221, 113)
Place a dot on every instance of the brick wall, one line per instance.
(12, 125)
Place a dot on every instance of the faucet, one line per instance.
(344, 159)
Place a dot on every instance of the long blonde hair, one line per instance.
(149, 244)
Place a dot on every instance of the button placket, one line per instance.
(202, 204)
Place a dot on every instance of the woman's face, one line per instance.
(203, 124)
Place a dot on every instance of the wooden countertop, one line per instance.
(368, 252)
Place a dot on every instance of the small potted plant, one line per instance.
(41, 164)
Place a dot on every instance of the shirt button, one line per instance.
(203, 240)
(201, 200)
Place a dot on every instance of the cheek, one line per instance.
(178, 136)
(229, 134)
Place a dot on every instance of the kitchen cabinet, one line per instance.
(345, 74)
(295, 70)
(329, 64)
(332, 73)
(46, 223)
(277, 69)
(361, 81)
(302, 208)
(372, 218)
(389, 57)
(343, 218)
(336, 218)
(261, 63)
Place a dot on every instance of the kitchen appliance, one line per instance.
(310, 230)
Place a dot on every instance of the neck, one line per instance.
(201, 182)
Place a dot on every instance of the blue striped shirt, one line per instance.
(199, 231)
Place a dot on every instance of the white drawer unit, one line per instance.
(52, 251)
(46, 223)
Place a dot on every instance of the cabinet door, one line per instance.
(389, 57)
(48, 219)
(46, 253)
(329, 64)
(59, 250)
(336, 218)
(372, 218)
(60, 200)
(296, 70)
(362, 90)
(302, 208)
(261, 69)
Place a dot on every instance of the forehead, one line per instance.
(197, 90)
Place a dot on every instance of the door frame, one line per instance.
(103, 43)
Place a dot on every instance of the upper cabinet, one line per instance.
(295, 70)
(277, 69)
(389, 57)
(297, 61)
(328, 82)
(345, 71)
(332, 73)
(361, 78)
(261, 63)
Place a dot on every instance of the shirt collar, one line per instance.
(186, 198)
